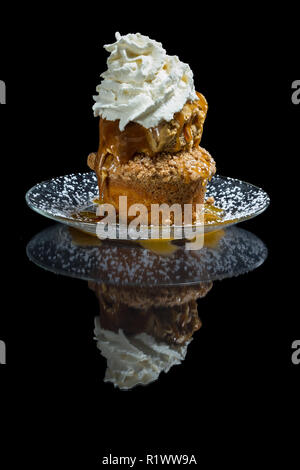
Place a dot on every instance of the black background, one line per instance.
(234, 400)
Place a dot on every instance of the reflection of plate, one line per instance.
(68, 199)
(225, 254)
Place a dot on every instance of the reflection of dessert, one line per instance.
(146, 263)
(142, 331)
(137, 359)
(145, 330)
(168, 314)
(151, 124)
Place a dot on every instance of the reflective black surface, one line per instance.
(234, 399)
(225, 254)
(147, 292)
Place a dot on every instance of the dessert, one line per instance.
(136, 359)
(151, 125)
(142, 332)
(167, 313)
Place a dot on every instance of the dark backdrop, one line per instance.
(234, 398)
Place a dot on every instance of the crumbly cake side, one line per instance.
(145, 298)
(166, 177)
(174, 322)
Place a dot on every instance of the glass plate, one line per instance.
(226, 253)
(68, 198)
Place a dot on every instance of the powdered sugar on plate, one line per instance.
(64, 196)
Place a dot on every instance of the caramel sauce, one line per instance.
(187, 133)
(123, 145)
(211, 239)
(212, 214)
(81, 238)
(159, 247)
(201, 103)
(118, 147)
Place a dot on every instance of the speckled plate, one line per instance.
(67, 199)
(225, 254)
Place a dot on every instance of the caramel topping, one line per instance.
(159, 247)
(123, 145)
(185, 127)
(118, 147)
(202, 103)
(188, 133)
(212, 215)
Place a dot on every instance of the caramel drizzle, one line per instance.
(201, 103)
(123, 145)
(101, 173)
(212, 215)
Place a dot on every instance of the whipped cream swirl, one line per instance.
(142, 83)
(136, 360)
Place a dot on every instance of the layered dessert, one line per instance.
(166, 313)
(151, 125)
(142, 332)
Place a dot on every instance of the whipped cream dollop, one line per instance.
(136, 359)
(142, 83)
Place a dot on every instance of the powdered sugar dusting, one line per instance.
(238, 199)
(61, 197)
(114, 263)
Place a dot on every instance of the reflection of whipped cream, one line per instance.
(142, 84)
(137, 359)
